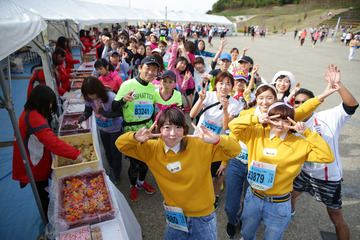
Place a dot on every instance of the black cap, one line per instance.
(170, 74)
(150, 60)
(246, 59)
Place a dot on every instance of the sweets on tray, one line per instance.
(85, 199)
(87, 151)
(81, 234)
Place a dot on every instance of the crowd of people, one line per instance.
(263, 137)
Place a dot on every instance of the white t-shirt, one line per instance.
(328, 124)
(213, 117)
(197, 78)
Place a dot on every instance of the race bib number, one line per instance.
(175, 218)
(261, 175)
(104, 124)
(216, 129)
(143, 109)
(243, 156)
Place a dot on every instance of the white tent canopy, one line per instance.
(18, 26)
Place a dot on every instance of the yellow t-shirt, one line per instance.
(287, 155)
(191, 188)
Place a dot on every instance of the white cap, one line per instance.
(156, 50)
(288, 74)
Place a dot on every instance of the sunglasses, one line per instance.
(125, 38)
(298, 102)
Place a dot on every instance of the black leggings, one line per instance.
(137, 168)
(43, 194)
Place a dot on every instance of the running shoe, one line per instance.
(146, 187)
(134, 194)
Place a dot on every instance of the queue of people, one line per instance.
(263, 137)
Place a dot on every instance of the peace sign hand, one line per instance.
(202, 93)
(299, 127)
(143, 134)
(205, 134)
(265, 118)
(187, 76)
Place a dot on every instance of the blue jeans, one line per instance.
(276, 217)
(236, 174)
(199, 228)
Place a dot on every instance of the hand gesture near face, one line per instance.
(187, 76)
(143, 134)
(202, 93)
(299, 127)
(255, 69)
(205, 134)
(265, 118)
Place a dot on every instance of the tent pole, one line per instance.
(10, 107)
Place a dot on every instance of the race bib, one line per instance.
(243, 156)
(314, 165)
(216, 129)
(175, 218)
(261, 175)
(143, 109)
(104, 124)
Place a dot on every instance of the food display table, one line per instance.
(119, 223)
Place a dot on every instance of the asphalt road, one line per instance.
(274, 53)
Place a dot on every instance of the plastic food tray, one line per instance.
(95, 217)
(85, 138)
(76, 84)
(70, 119)
(81, 233)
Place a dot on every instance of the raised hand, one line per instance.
(129, 97)
(143, 134)
(202, 93)
(247, 93)
(205, 134)
(333, 74)
(299, 127)
(265, 118)
(224, 41)
(255, 69)
(187, 76)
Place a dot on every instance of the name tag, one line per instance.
(261, 175)
(216, 129)
(175, 218)
(174, 167)
(143, 109)
(270, 152)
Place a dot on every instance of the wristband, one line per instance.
(217, 141)
(219, 49)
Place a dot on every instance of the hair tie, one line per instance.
(279, 104)
(162, 109)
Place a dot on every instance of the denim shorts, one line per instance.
(199, 228)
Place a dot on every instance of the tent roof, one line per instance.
(18, 26)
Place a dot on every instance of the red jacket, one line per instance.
(70, 61)
(64, 78)
(40, 142)
(37, 78)
(87, 44)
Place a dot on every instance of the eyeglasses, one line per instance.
(125, 38)
(298, 102)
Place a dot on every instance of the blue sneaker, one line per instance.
(293, 213)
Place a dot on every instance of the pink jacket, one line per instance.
(183, 85)
(112, 80)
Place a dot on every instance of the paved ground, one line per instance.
(275, 53)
